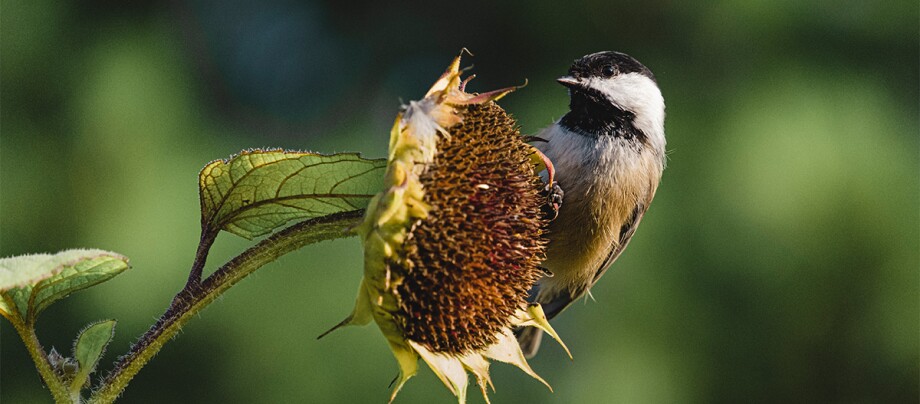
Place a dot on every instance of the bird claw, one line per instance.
(554, 195)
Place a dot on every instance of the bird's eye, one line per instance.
(609, 70)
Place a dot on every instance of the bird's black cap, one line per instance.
(607, 64)
(591, 113)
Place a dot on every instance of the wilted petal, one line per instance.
(507, 350)
(479, 366)
(448, 368)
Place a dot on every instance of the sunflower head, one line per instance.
(453, 244)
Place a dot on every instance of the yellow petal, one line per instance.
(452, 74)
(535, 317)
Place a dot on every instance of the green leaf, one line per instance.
(31, 283)
(257, 191)
(88, 349)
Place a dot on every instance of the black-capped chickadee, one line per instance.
(609, 153)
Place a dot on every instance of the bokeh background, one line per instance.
(779, 262)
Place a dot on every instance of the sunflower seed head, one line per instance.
(467, 266)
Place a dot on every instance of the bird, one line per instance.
(608, 151)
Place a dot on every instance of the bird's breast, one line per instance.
(604, 179)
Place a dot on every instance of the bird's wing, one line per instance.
(626, 233)
(556, 303)
(529, 337)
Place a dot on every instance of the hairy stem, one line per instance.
(54, 383)
(193, 298)
(201, 256)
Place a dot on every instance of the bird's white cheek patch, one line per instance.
(639, 95)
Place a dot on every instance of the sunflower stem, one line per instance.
(198, 295)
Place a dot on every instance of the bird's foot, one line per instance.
(554, 195)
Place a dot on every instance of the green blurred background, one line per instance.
(779, 262)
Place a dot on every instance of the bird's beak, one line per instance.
(569, 82)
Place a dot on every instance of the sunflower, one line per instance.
(453, 244)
